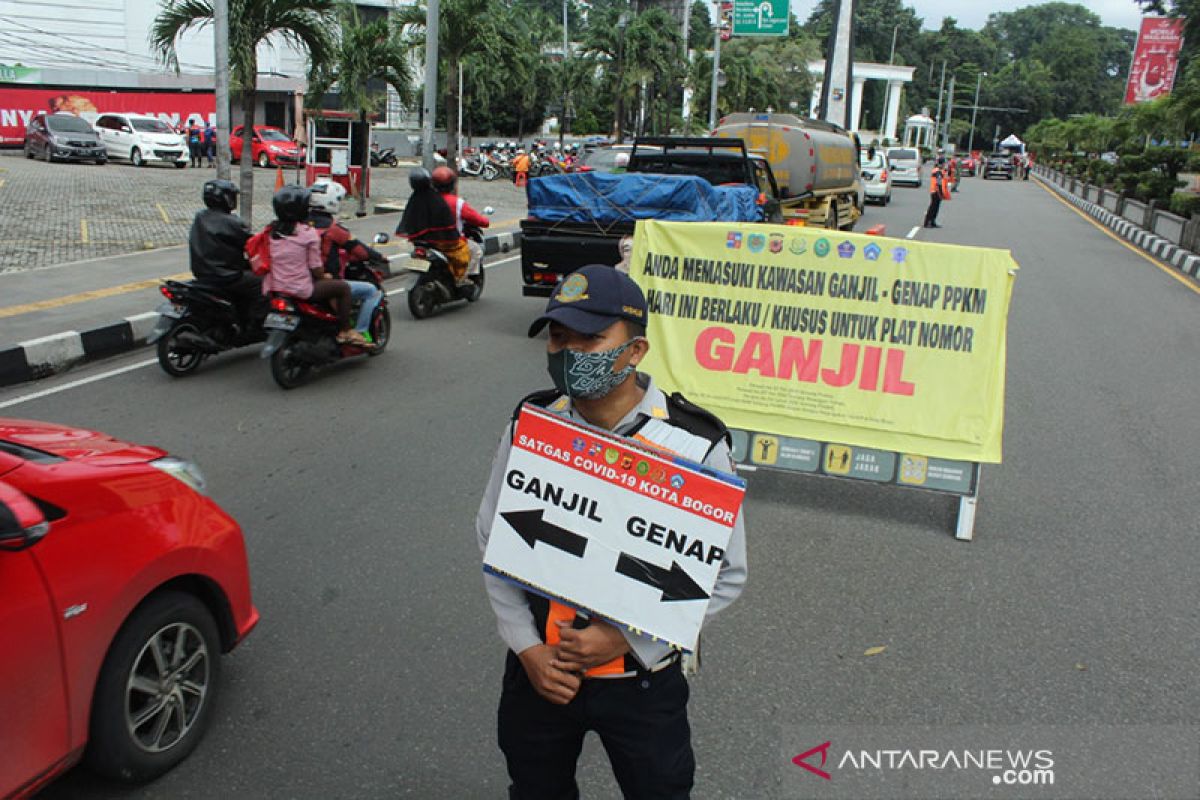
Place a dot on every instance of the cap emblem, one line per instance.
(573, 289)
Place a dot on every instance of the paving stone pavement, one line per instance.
(60, 213)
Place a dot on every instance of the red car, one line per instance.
(121, 584)
(270, 147)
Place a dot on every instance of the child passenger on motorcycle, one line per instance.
(434, 214)
(296, 267)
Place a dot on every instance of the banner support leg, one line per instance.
(965, 530)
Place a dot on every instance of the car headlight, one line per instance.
(184, 471)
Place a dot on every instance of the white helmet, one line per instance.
(326, 196)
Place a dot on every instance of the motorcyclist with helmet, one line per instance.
(296, 267)
(434, 214)
(325, 199)
(217, 250)
(445, 181)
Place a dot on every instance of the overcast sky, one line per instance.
(974, 13)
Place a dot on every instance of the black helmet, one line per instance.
(420, 178)
(220, 194)
(291, 204)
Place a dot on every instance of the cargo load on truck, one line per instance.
(606, 198)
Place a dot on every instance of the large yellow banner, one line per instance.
(839, 337)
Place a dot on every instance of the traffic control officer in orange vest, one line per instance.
(566, 675)
(939, 190)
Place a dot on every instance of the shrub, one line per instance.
(1185, 205)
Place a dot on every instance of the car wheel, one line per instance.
(47, 156)
(136, 158)
(180, 164)
(28, 152)
(156, 690)
(100, 162)
(264, 160)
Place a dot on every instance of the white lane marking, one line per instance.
(25, 398)
(404, 289)
(75, 384)
(913, 233)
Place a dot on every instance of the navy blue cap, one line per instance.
(591, 298)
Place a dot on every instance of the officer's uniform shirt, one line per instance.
(513, 616)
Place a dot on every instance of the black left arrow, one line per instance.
(530, 526)
(675, 583)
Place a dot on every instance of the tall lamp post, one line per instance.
(716, 76)
(974, 112)
(562, 118)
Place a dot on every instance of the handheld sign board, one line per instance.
(626, 533)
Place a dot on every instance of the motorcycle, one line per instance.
(435, 285)
(302, 336)
(386, 156)
(198, 321)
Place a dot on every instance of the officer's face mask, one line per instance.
(588, 376)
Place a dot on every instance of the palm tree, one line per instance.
(303, 24)
(464, 27)
(362, 52)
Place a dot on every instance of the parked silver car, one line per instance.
(63, 137)
(876, 178)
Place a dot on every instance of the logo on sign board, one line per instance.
(734, 240)
(871, 252)
(838, 459)
(595, 449)
(643, 468)
(612, 456)
(845, 250)
(798, 246)
(627, 462)
(776, 245)
(579, 444)
(899, 254)
(677, 481)
(821, 247)
(756, 242)
(660, 475)
(573, 289)
(765, 449)
(914, 470)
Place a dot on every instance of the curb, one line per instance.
(51, 355)
(1165, 250)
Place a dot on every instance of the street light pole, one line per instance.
(974, 112)
(892, 56)
(221, 75)
(429, 106)
(562, 118)
(712, 98)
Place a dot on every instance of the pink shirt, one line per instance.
(292, 260)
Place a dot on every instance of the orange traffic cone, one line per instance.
(278, 178)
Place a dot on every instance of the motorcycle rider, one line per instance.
(325, 198)
(429, 218)
(296, 269)
(445, 182)
(217, 250)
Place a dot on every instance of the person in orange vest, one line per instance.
(567, 674)
(521, 168)
(939, 189)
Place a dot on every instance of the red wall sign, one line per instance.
(19, 104)
(1155, 59)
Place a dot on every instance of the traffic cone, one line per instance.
(278, 178)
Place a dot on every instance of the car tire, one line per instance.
(100, 162)
(135, 157)
(171, 643)
(47, 156)
(180, 164)
(28, 152)
(264, 160)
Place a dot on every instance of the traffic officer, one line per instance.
(566, 675)
(937, 191)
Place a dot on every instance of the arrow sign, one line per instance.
(530, 526)
(675, 582)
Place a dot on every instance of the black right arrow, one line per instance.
(675, 583)
(530, 526)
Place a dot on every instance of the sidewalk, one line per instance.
(56, 317)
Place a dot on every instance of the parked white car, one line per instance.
(875, 176)
(905, 165)
(142, 139)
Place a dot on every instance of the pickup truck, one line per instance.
(551, 250)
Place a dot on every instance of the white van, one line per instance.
(142, 139)
(905, 163)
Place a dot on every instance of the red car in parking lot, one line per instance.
(270, 147)
(121, 584)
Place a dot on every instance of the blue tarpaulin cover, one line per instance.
(605, 198)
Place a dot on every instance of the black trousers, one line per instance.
(642, 723)
(935, 203)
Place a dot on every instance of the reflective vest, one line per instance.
(679, 428)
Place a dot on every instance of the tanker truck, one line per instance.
(815, 164)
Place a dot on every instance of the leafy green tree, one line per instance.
(305, 25)
(363, 52)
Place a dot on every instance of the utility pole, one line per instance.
(937, 117)
(839, 68)
(221, 85)
(687, 91)
(974, 112)
(949, 115)
(562, 118)
(712, 98)
(892, 55)
(429, 106)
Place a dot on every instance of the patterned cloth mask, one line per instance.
(587, 375)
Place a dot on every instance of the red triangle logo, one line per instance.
(801, 760)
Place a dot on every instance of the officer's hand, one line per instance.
(598, 643)
(554, 683)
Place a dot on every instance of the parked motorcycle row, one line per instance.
(489, 162)
(199, 321)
